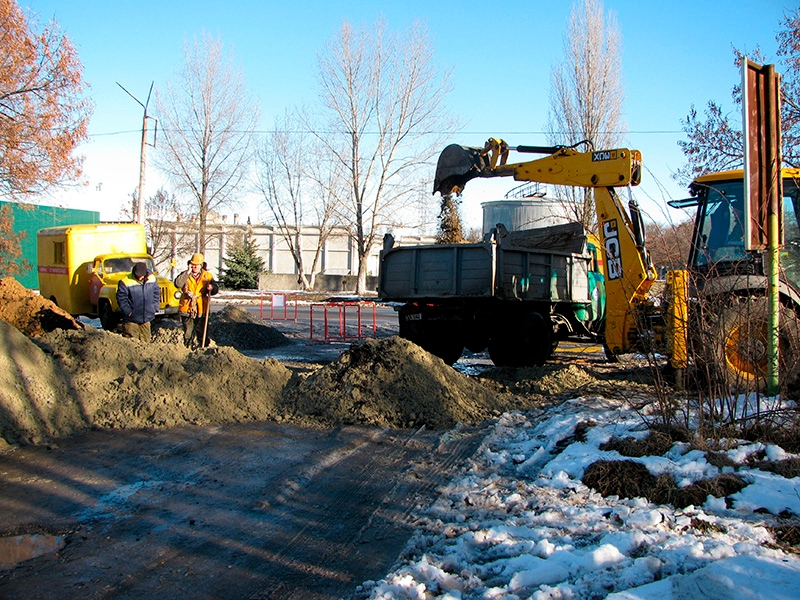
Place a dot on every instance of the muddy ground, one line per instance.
(138, 470)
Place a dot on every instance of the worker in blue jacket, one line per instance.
(139, 297)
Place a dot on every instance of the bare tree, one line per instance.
(382, 101)
(168, 239)
(668, 243)
(587, 93)
(716, 143)
(207, 124)
(297, 190)
(167, 234)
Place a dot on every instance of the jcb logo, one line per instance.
(613, 254)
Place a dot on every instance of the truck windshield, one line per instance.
(125, 264)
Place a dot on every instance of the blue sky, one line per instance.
(675, 54)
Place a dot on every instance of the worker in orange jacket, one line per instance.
(197, 285)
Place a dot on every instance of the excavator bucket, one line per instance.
(457, 165)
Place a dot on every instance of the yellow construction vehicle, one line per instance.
(729, 322)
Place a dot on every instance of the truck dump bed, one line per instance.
(549, 264)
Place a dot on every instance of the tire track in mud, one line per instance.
(256, 510)
(370, 490)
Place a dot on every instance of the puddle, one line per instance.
(15, 549)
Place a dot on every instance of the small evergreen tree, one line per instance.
(450, 231)
(243, 265)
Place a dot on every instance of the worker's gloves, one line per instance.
(189, 295)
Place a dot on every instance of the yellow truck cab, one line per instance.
(80, 266)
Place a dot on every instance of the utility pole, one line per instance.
(142, 156)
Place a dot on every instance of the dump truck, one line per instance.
(517, 292)
(80, 267)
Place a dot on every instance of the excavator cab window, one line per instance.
(790, 255)
(722, 225)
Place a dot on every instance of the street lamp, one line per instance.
(142, 159)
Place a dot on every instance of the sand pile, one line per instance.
(71, 380)
(125, 383)
(234, 326)
(388, 383)
(67, 380)
(29, 312)
(36, 402)
(58, 377)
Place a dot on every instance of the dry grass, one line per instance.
(630, 479)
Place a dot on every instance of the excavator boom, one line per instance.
(457, 165)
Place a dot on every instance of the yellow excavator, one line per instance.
(723, 284)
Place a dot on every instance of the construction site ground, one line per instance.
(131, 470)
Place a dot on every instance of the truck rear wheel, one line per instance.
(740, 343)
(522, 344)
(449, 350)
(446, 347)
(441, 337)
(108, 318)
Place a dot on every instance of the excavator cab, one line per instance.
(731, 325)
(718, 247)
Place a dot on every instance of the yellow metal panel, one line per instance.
(677, 318)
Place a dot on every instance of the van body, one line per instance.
(80, 267)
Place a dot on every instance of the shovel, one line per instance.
(205, 321)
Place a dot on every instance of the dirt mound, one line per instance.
(389, 383)
(29, 312)
(234, 326)
(36, 402)
(71, 380)
(76, 377)
(122, 382)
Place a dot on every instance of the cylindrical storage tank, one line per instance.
(526, 213)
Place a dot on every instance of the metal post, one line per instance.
(775, 206)
(141, 217)
(141, 168)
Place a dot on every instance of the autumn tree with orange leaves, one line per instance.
(44, 114)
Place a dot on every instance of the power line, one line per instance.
(332, 132)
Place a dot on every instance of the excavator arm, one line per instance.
(628, 270)
(564, 166)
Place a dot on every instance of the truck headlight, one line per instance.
(178, 294)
